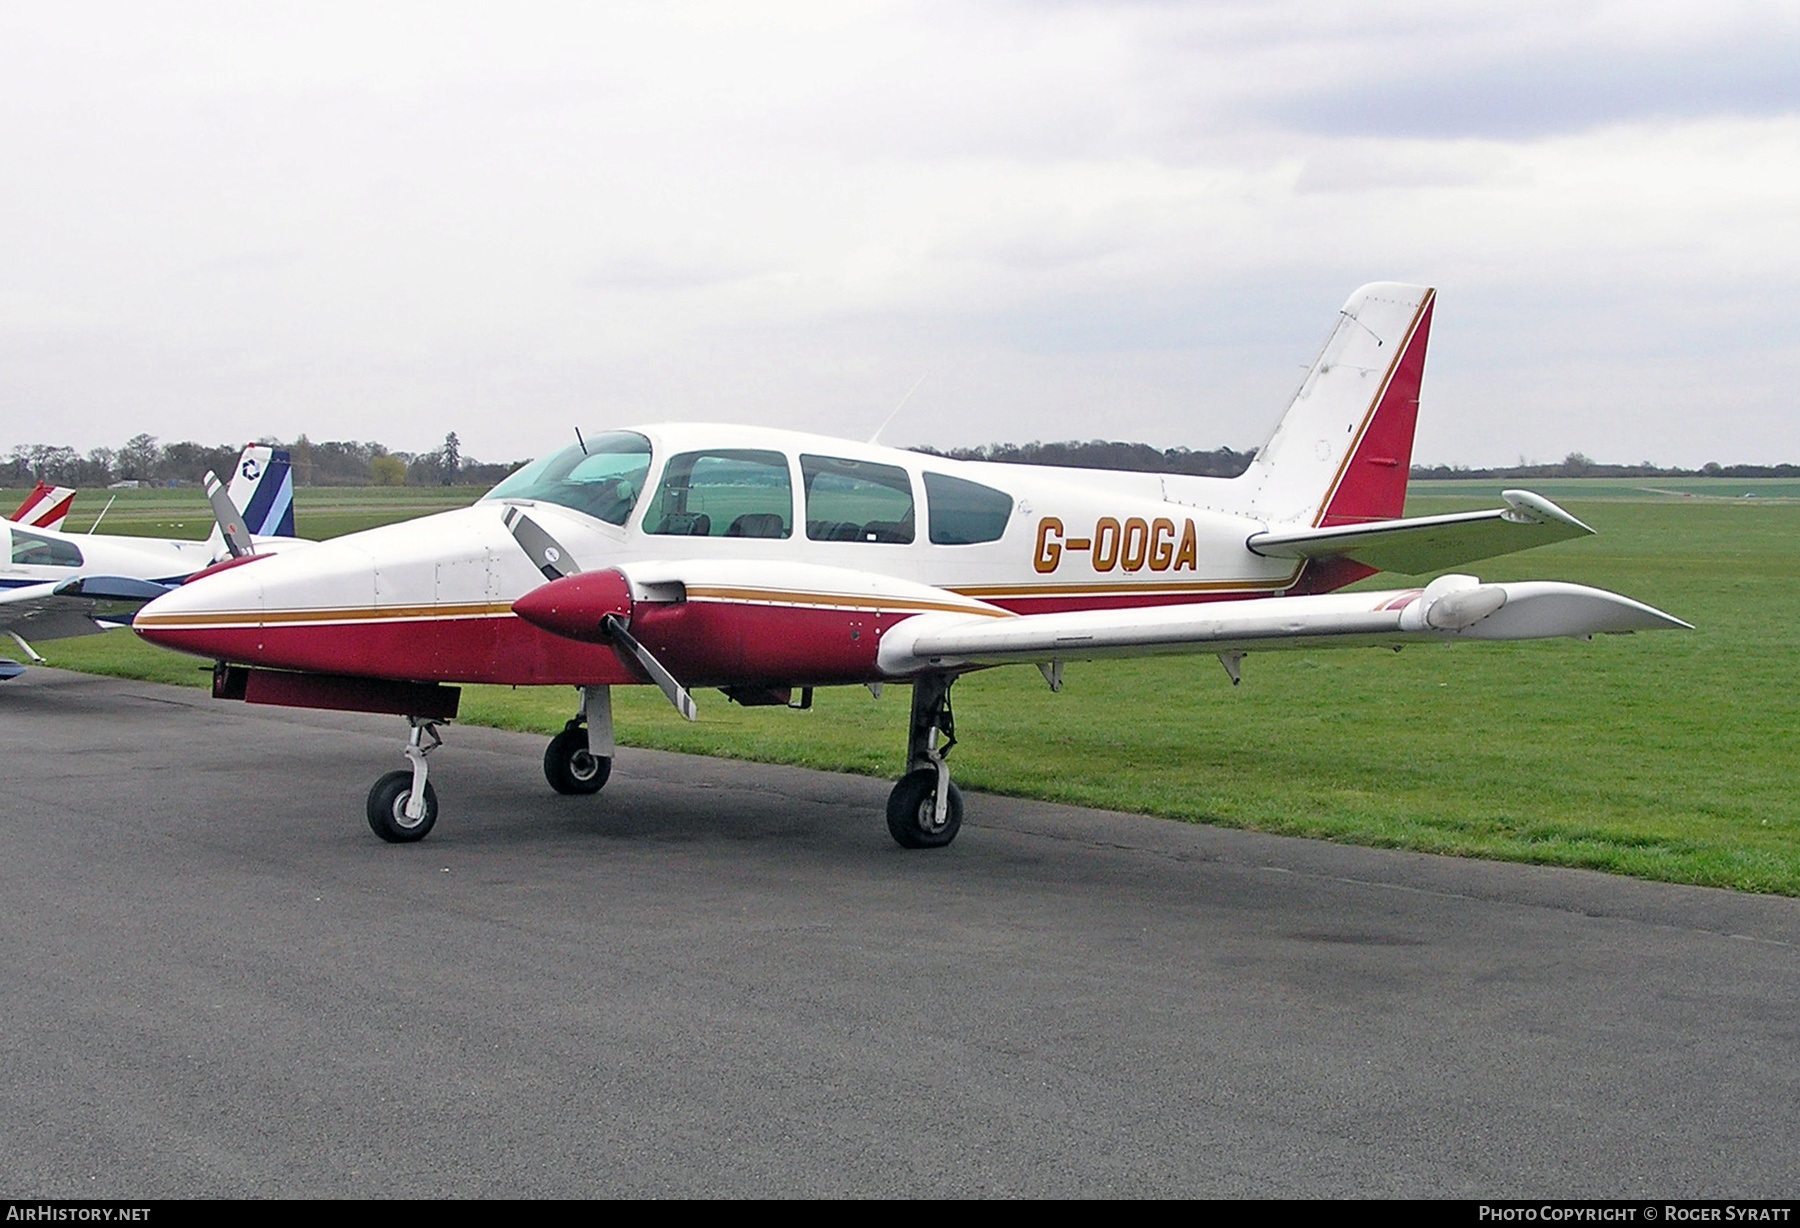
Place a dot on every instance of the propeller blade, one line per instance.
(231, 521)
(544, 551)
(678, 694)
(556, 563)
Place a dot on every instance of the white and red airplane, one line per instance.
(54, 585)
(767, 563)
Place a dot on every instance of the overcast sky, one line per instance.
(1069, 220)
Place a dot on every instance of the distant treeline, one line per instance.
(1100, 454)
(346, 462)
(1575, 465)
(1228, 463)
(144, 460)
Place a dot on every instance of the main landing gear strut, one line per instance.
(925, 810)
(403, 806)
(579, 759)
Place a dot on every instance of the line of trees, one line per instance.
(1575, 465)
(348, 462)
(341, 462)
(1101, 454)
(1228, 463)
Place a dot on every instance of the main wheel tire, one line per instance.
(571, 767)
(912, 812)
(387, 809)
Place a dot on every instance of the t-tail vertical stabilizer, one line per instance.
(1342, 451)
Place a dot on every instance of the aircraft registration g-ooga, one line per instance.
(767, 563)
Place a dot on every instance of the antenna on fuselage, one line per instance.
(581, 441)
(876, 437)
(102, 515)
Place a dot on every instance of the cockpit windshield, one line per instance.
(601, 476)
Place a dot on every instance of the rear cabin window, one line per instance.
(730, 493)
(30, 550)
(856, 501)
(963, 512)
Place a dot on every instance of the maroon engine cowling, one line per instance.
(719, 643)
(732, 643)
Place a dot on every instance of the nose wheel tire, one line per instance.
(912, 812)
(571, 767)
(387, 809)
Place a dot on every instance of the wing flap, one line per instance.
(1431, 543)
(1453, 607)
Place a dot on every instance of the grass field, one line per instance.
(319, 511)
(1636, 489)
(1669, 756)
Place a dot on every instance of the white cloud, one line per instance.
(392, 221)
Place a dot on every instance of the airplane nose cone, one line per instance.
(206, 614)
(427, 599)
(251, 612)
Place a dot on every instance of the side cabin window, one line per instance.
(963, 512)
(856, 501)
(30, 550)
(601, 476)
(736, 492)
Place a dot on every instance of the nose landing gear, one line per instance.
(403, 805)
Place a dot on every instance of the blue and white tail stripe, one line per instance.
(263, 487)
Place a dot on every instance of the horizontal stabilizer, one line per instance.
(1431, 543)
(1452, 607)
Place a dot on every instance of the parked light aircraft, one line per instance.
(54, 585)
(767, 563)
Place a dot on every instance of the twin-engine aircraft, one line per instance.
(767, 563)
(54, 585)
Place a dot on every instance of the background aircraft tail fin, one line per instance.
(1341, 453)
(45, 507)
(262, 488)
(262, 491)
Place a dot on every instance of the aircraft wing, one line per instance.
(1431, 543)
(1452, 607)
(62, 609)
